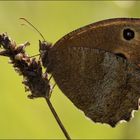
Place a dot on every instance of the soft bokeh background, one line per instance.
(24, 118)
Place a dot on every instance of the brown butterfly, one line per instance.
(97, 68)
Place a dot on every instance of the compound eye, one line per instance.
(128, 34)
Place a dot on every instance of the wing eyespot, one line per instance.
(128, 34)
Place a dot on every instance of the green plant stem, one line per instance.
(58, 119)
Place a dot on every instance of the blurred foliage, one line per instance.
(24, 118)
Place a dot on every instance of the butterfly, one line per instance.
(97, 68)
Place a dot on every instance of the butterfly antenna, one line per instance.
(32, 27)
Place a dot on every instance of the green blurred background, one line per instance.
(24, 118)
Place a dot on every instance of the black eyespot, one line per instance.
(128, 34)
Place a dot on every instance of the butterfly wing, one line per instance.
(104, 86)
(84, 65)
